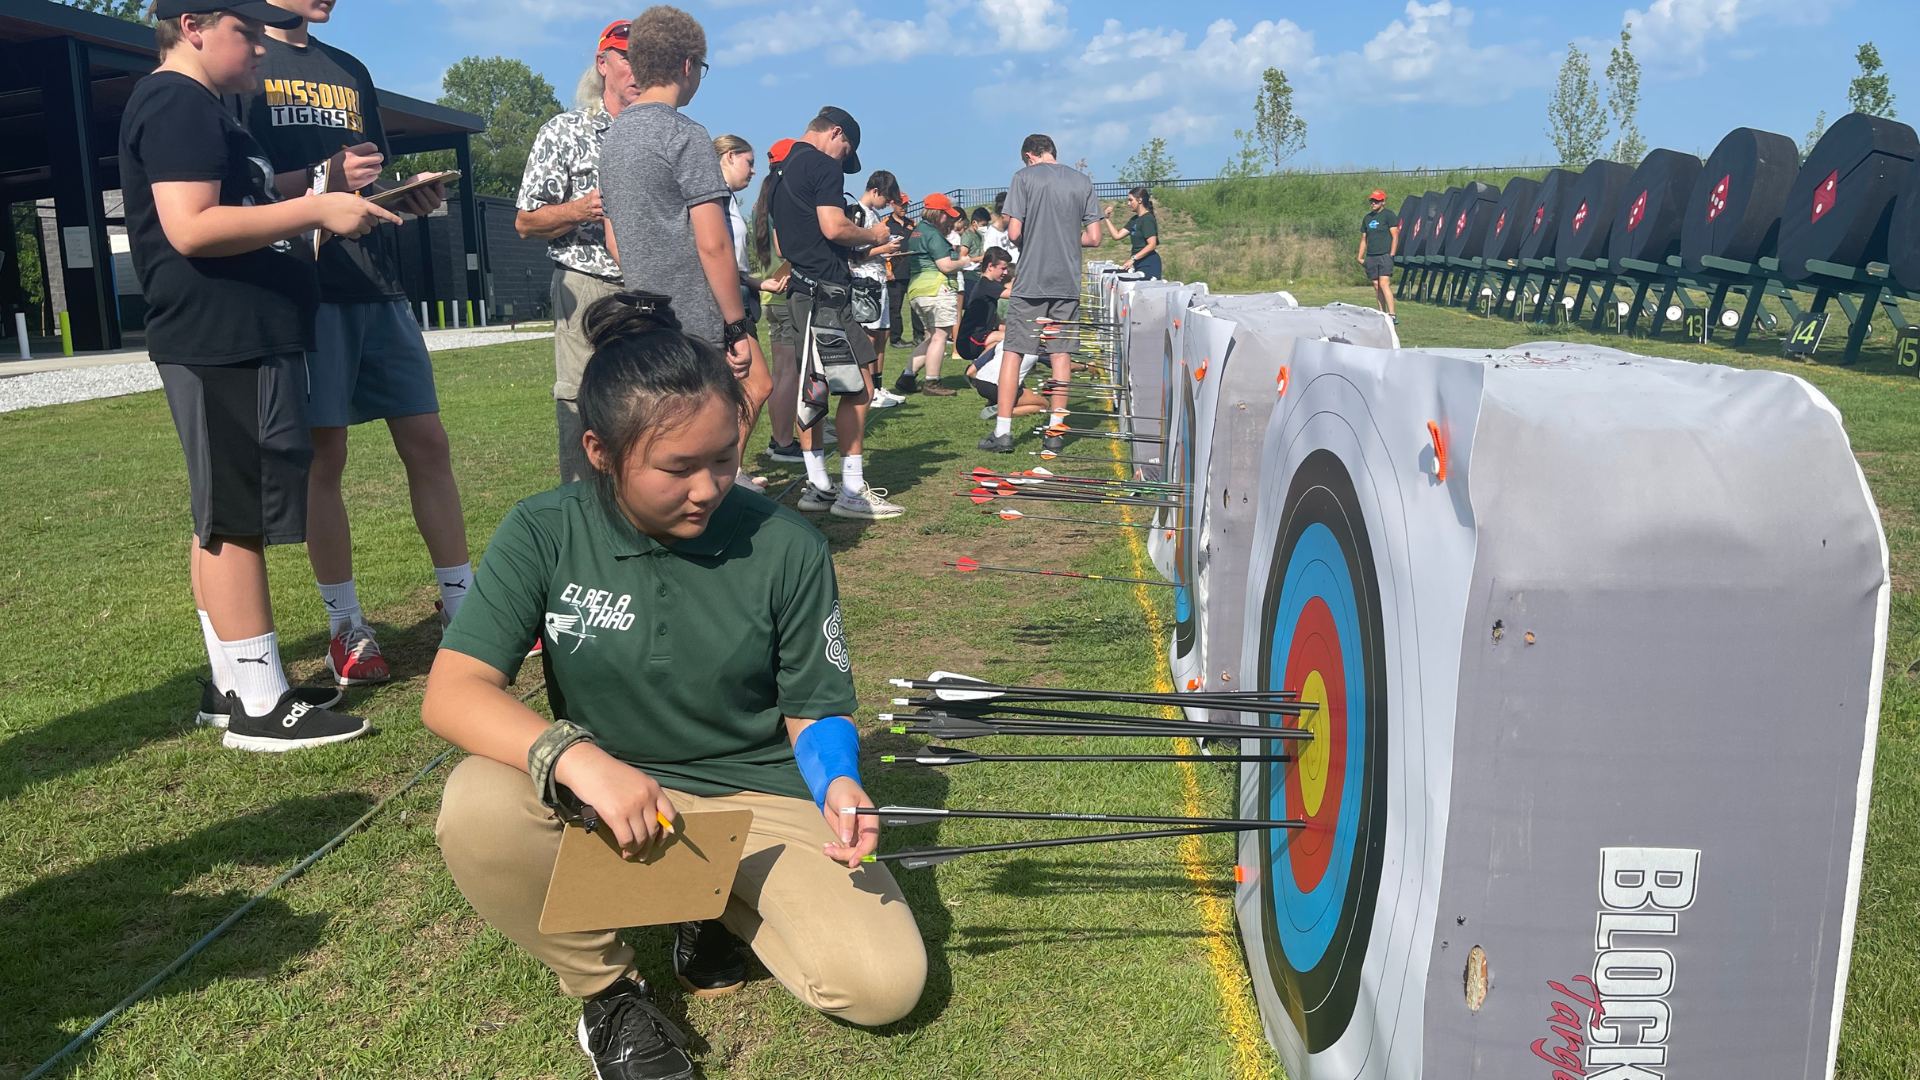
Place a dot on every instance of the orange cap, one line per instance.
(614, 36)
(1378, 196)
(938, 201)
(901, 199)
(778, 152)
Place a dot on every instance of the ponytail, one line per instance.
(1145, 195)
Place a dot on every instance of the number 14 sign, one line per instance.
(1805, 336)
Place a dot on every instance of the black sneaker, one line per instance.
(906, 383)
(292, 725)
(789, 452)
(708, 960)
(1054, 443)
(996, 444)
(214, 710)
(627, 1037)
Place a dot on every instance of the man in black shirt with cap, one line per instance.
(808, 211)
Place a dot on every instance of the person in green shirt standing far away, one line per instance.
(1379, 239)
(693, 643)
(1142, 231)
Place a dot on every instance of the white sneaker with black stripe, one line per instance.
(867, 504)
(292, 724)
(818, 500)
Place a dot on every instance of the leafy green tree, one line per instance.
(130, 10)
(1870, 92)
(1576, 122)
(512, 99)
(1150, 164)
(1813, 137)
(1623, 100)
(1277, 132)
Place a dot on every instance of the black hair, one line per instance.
(1144, 194)
(1038, 145)
(994, 257)
(883, 182)
(1000, 203)
(761, 238)
(980, 216)
(645, 375)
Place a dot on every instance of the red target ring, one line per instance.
(1317, 782)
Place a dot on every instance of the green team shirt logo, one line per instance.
(596, 609)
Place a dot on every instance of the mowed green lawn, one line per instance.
(125, 833)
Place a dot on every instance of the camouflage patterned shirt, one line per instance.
(564, 165)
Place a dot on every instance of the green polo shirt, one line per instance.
(680, 660)
(924, 249)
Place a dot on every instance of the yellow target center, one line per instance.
(1312, 766)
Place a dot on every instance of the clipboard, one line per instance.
(382, 198)
(688, 880)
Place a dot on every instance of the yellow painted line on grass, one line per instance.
(1216, 915)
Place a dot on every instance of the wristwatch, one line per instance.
(738, 330)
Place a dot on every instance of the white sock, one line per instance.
(343, 607)
(1002, 425)
(257, 677)
(817, 469)
(853, 475)
(1058, 419)
(222, 674)
(454, 581)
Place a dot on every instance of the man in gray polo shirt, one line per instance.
(1052, 213)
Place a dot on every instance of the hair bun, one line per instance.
(626, 313)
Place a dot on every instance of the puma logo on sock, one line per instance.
(461, 584)
(261, 660)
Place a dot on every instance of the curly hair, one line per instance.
(661, 42)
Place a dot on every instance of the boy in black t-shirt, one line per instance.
(369, 361)
(230, 318)
(981, 336)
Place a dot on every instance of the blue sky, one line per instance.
(946, 89)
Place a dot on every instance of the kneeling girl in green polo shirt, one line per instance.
(692, 641)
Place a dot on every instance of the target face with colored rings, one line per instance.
(1323, 640)
(1183, 521)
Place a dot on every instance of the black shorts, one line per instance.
(244, 430)
(1379, 266)
(990, 391)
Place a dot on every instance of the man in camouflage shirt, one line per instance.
(560, 203)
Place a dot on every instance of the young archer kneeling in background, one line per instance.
(722, 681)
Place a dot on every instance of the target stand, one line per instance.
(1596, 641)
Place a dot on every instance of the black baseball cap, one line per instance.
(844, 120)
(258, 10)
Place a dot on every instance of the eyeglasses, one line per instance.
(704, 68)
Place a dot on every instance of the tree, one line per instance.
(130, 10)
(1575, 120)
(1813, 137)
(1277, 133)
(1150, 164)
(1870, 92)
(512, 100)
(1623, 100)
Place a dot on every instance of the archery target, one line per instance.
(1441, 226)
(1542, 223)
(1734, 212)
(1839, 208)
(1430, 217)
(1903, 239)
(1647, 224)
(1512, 218)
(1183, 657)
(1409, 215)
(1415, 226)
(1466, 234)
(1588, 219)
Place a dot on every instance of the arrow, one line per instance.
(961, 727)
(947, 755)
(970, 566)
(921, 858)
(921, 815)
(951, 686)
(982, 495)
(1015, 515)
(979, 710)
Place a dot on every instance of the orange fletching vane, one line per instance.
(966, 565)
(1010, 515)
(1201, 371)
(1282, 380)
(980, 495)
(1439, 451)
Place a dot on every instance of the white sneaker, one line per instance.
(885, 399)
(869, 504)
(815, 501)
(990, 412)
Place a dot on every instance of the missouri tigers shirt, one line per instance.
(312, 101)
(681, 660)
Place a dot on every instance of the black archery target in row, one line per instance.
(1438, 211)
(1646, 225)
(1511, 215)
(1903, 238)
(1409, 213)
(1466, 232)
(1841, 205)
(1588, 219)
(1542, 226)
(1415, 228)
(1736, 205)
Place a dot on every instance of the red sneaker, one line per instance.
(354, 658)
(535, 651)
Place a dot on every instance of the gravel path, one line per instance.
(85, 384)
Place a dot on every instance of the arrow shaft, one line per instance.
(1076, 521)
(1039, 815)
(1050, 693)
(1093, 731)
(969, 758)
(1062, 573)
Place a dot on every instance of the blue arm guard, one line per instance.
(827, 750)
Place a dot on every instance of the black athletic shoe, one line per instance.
(708, 960)
(906, 383)
(291, 725)
(214, 710)
(627, 1037)
(1054, 443)
(789, 452)
(996, 444)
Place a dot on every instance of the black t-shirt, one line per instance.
(312, 101)
(980, 317)
(207, 310)
(1378, 226)
(810, 179)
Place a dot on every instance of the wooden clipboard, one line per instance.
(392, 194)
(689, 879)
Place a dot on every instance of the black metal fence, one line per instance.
(979, 196)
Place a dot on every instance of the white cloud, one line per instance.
(1185, 125)
(1671, 36)
(1431, 51)
(1026, 25)
(1115, 43)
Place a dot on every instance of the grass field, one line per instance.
(125, 833)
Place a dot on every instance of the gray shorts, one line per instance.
(1034, 326)
(1379, 266)
(245, 433)
(370, 364)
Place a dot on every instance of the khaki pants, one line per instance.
(573, 293)
(841, 940)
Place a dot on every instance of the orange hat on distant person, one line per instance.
(614, 36)
(1378, 196)
(778, 152)
(938, 201)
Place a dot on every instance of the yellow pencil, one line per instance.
(664, 823)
